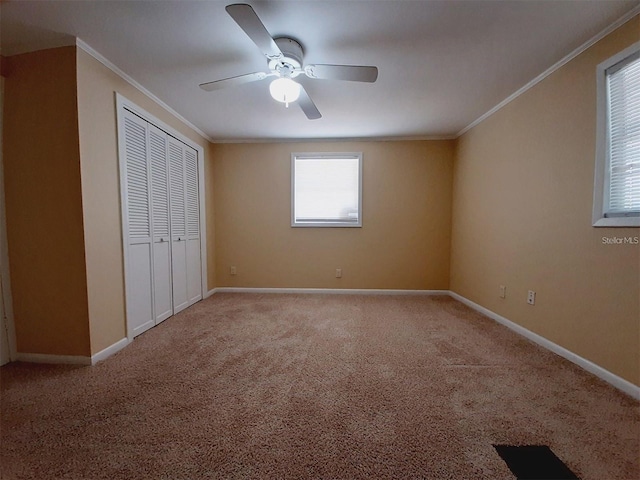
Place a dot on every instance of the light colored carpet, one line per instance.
(314, 386)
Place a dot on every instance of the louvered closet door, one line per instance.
(158, 159)
(138, 209)
(178, 225)
(194, 265)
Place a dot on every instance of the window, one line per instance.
(617, 179)
(326, 189)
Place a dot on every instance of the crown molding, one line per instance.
(107, 63)
(417, 138)
(618, 23)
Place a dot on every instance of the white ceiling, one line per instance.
(442, 64)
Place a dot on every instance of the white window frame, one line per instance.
(310, 155)
(601, 182)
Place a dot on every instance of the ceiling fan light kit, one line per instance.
(284, 90)
(285, 60)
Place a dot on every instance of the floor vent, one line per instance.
(534, 462)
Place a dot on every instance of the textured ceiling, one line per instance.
(442, 64)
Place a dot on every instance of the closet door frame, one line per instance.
(122, 104)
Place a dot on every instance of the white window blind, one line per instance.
(326, 190)
(623, 125)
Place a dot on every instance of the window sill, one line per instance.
(618, 222)
(332, 225)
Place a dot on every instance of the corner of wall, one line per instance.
(210, 153)
(44, 203)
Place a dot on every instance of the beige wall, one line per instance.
(44, 203)
(522, 202)
(403, 244)
(101, 197)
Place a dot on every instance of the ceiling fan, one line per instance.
(285, 60)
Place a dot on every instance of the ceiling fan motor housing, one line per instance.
(292, 56)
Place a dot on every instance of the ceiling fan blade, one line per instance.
(308, 107)
(230, 82)
(354, 73)
(248, 20)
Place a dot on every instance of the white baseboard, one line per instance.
(210, 292)
(331, 291)
(107, 352)
(55, 359)
(72, 359)
(618, 382)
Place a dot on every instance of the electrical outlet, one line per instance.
(338, 273)
(233, 270)
(531, 297)
(503, 291)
